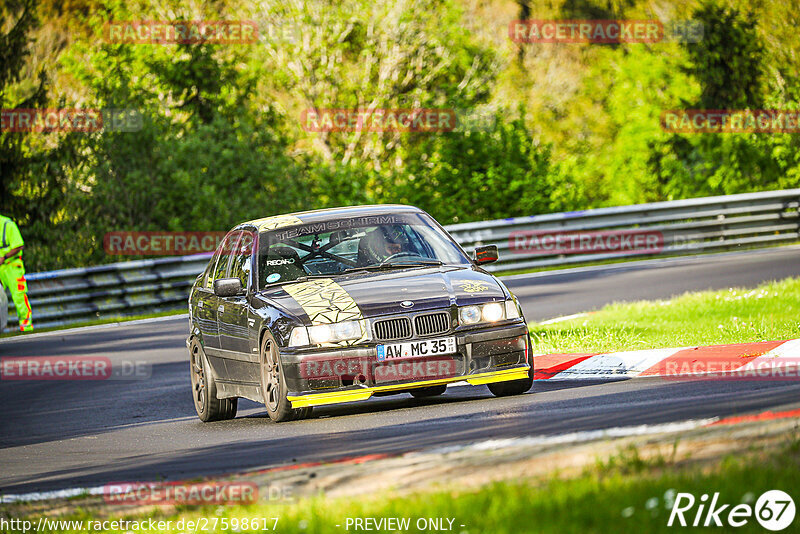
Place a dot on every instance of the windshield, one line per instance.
(341, 246)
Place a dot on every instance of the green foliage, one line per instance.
(729, 66)
(498, 172)
(728, 61)
(222, 140)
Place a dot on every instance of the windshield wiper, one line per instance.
(393, 265)
(310, 276)
(413, 263)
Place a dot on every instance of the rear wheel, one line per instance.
(204, 389)
(273, 384)
(432, 391)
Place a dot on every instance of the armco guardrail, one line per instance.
(668, 228)
(681, 226)
(70, 296)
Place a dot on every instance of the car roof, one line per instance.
(327, 214)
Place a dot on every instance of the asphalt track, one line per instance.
(65, 434)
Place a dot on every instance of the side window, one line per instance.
(240, 266)
(227, 251)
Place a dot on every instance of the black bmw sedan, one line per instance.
(338, 305)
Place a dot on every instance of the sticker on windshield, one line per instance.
(274, 277)
(275, 263)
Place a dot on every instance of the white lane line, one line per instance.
(81, 329)
(46, 495)
(563, 318)
(575, 437)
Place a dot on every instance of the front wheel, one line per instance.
(273, 384)
(204, 389)
(513, 387)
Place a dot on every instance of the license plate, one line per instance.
(417, 349)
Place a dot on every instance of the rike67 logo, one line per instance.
(774, 510)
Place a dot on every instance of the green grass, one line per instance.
(626, 494)
(93, 322)
(769, 312)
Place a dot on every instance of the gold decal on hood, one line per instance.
(324, 301)
(473, 286)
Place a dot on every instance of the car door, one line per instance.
(209, 304)
(235, 319)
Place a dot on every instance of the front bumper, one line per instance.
(329, 376)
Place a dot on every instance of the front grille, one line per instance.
(434, 323)
(399, 328)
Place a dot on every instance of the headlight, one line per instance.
(493, 312)
(325, 333)
(488, 313)
(469, 314)
(321, 333)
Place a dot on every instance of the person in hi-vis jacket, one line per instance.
(12, 271)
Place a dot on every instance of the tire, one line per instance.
(432, 391)
(204, 388)
(515, 387)
(273, 384)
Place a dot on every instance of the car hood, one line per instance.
(381, 293)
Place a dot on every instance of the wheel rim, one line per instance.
(198, 379)
(271, 377)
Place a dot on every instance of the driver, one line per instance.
(385, 242)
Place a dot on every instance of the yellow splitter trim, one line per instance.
(334, 397)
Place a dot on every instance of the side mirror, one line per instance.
(228, 287)
(486, 254)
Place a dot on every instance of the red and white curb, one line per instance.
(766, 359)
